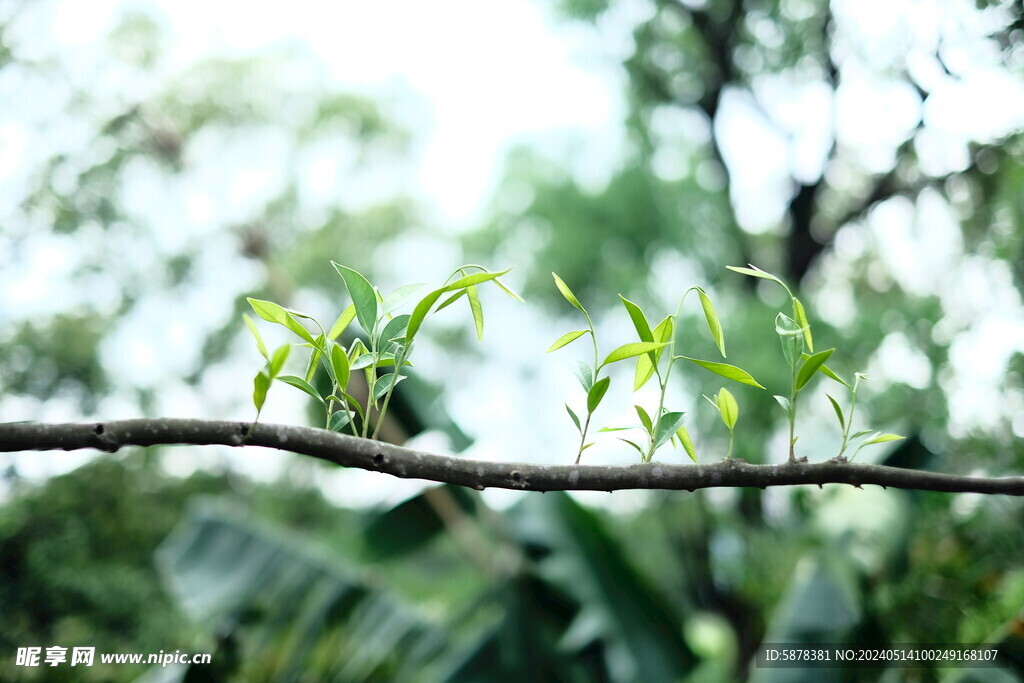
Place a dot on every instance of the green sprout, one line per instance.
(383, 356)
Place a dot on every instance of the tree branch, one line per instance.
(376, 456)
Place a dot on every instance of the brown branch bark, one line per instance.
(397, 461)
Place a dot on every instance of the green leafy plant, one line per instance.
(664, 425)
(382, 355)
(595, 386)
(845, 422)
(795, 334)
(725, 403)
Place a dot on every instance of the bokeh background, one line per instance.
(160, 162)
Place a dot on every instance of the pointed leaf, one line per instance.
(302, 384)
(645, 365)
(384, 383)
(638, 449)
(754, 271)
(643, 328)
(566, 339)
(684, 438)
(567, 293)
(314, 357)
(395, 329)
(810, 366)
(597, 393)
(340, 365)
(645, 419)
(450, 300)
(828, 373)
(728, 407)
(713, 323)
(784, 402)
(338, 421)
(363, 296)
(478, 311)
(801, 319)
(725, 370)
(256, 334)
(839, 412)
(474, 279)
(260, 386)
(882, 438)
(575, 420)
(508, 291)
(278, 360)
(584, 374)
(630, 350)
(668, 425)
(343, 321)
(789, 334)
(421, 310)
(859, 434)
(268, 310)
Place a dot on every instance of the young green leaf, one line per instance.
(268, 310)
(586, 446)
(597, 393)
(859, 434)
(478, 311)
(644, 364)
(668, 425)
(629, 350)
(684, 438)
(805, 325)
(338, 421)
(256, 334)
(314, 357)
(567, 293)
(643, 328)
(882, 438)
(575, 419)
(508, 291)
(474, 279)
(584, 374)
(725, 370)
(728, 407)
(340, 365)
(784, 402)
(302, 384)
(713, 323)
(362, 361)
(566, 339)
(789, 334)
(754, 271)
(450, 300)
(384, 383)
(810, 366)
(395, 329)
(828, 373)
(260, 386)
(839, 412)
(638, 449)
(278, 360)
(343, 321)
(645, 419)
(363, 296)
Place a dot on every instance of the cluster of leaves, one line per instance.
(663, 425)
(382, 356)
(795, 334)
